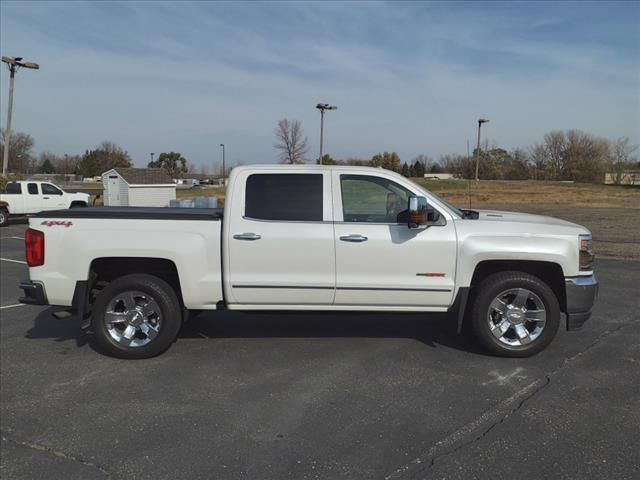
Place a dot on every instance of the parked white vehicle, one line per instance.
(28, 197)
(312, 238)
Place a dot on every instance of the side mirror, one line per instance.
(418, 212)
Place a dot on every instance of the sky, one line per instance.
(406, 77)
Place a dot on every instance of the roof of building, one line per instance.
(145, 176)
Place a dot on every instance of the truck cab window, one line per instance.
(48, 189)
(288, 197)
(373, 199)
(13, 187)
(32, 188)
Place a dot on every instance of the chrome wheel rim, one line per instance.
(516, 317)
(133, 318)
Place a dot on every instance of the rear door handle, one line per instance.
(45, 198)
(353, 238)
(247, 236)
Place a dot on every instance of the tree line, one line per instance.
(91, 163)
(562, 155)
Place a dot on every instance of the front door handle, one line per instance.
(247, 236)
(45, 198)
(353, 238)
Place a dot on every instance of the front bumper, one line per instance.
(33, 293)
(582, 293)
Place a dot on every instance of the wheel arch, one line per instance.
(106, 269)
(549, 272)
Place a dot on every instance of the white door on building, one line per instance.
(113, 190)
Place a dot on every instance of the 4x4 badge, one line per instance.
(51, 223)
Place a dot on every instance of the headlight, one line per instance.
(586, 252)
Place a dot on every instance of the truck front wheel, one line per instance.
(515, 314)
(136, 316)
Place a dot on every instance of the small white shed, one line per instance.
(138, 187)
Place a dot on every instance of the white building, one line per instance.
(138, 187)
(439, 176)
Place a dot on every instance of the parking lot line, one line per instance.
(13, 261)
(14, 238)
(13, 306)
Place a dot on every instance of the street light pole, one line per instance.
(321, 133)
(480, 122)
(13, 63)
(322, 107)
(224, 182)
(152, 154)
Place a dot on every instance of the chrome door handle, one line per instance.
(247, 236)
(353, 238)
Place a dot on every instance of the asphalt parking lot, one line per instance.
(319, 396)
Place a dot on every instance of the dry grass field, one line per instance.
(611, 212)
(498, 192)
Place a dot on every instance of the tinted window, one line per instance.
(373, 199)
(284, 197)
(48, 189)
(13, 188)
(32, 188)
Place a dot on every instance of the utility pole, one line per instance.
(480, 122)
(14, 63)
(322, 107)
(224, 173)
(152, 154)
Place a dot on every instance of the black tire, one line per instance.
(4, 217)
(490, 289)
(170, 313)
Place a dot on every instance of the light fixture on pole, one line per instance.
(13, 63)
(322, 107)
(224, 182)
(480, 122)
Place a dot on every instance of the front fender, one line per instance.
(523, 247)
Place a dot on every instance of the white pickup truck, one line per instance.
(27, 197)
(312, 238)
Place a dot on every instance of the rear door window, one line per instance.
(285, 197)
(32, 188)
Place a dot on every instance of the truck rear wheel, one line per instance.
(515, 314)
(4, 217)
(136, 316)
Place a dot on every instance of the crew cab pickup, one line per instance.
(24, 198)
(312, 238)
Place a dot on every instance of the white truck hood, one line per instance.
(499, 216)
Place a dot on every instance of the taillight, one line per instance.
(34, 247)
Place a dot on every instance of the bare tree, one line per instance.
(66, 164)
(556, 145)
(20, 151)
(621, 158)
(291, 142)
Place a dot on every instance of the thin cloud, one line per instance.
(161, 76)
